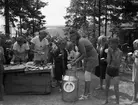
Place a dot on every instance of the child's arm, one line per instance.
(121, 55)
(109, 56)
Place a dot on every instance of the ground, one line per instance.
(97, 98)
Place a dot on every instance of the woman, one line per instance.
(20, 50)
(102, 51)
(60, 61)
(39, 45)
(135, 70)
(87, 53)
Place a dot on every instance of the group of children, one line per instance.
(110, 60)
(109, 63)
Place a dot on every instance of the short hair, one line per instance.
(74, 32)
(20, 39)
(114, 40)
(70, 45)
(61, 41)
(101, 39)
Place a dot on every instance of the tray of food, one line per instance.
(19, 67)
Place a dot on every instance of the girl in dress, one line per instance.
(102, 51)
(60, 61)
(135, 70)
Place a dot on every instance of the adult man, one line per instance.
(87, 53)
(40, 47)
(20, 49)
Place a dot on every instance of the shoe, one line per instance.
(83, 97)
(99, 88)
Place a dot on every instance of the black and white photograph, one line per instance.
(68, 52)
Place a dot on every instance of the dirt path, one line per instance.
(126, 90)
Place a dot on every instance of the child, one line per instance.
(101, 69)
(2, 60)
(135, 69)
(60, 61)
(114, 56)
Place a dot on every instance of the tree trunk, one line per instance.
(7, 26)
(94, 25)
(106, 1)
(20, 26)
(99, 17)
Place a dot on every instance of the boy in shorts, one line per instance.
(114, 56)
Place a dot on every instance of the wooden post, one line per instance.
(7, 26)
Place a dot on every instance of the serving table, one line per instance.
(27, 79)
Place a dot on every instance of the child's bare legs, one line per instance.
(101, 83)
(116, 88)
(107, 80)
(135, 91)
(1, 87)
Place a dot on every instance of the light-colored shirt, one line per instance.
(21, 48)
(136, 57)
(71, 55)
(40, 46)
(1, 53)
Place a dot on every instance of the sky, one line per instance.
(55, 11)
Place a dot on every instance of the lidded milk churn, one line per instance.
(70, 85)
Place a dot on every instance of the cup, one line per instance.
(69, 66)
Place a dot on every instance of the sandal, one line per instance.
(83, 97)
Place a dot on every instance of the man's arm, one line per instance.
(46, 48)
(15, 52)
(32, 46)
(82, 51)
(27, 48)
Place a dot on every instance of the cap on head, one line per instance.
(20, 39)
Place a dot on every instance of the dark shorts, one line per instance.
(112, 71)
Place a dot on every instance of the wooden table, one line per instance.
(18, 80)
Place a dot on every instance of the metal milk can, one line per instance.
(70, 86)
